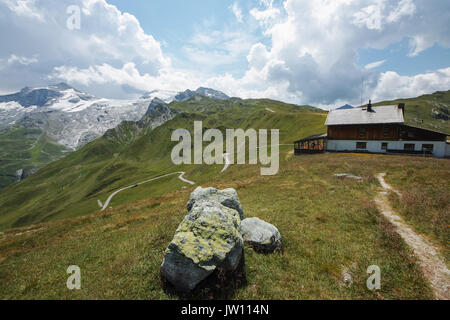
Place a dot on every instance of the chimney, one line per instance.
(402, 107)
(369, 106)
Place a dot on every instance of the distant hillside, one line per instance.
(430, 111)
(41, 125)
(23, 151)
(134, 152)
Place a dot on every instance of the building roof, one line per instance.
(314, 137)
(381, 114)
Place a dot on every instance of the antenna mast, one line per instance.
(362, 86)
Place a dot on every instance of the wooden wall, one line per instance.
(385, 132)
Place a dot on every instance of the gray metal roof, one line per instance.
(314, 137)
(381, 114)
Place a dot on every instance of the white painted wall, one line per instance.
(439, 149)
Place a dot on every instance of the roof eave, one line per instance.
(361, 123)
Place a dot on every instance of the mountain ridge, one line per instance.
(62, 119)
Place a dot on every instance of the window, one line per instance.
(362, 132)
(386, 132)
(409, 147)
(427, 147)
(384, 146)
(361, 145)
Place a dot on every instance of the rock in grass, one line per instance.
(208, 238)
(347, 277)
(227, 197)
(348, 175)
(260, 234)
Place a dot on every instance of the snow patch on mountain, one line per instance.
(73, 118)
(165, 95)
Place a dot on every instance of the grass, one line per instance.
(71, 186)
(425, 201)
(327, 224)
(430, 111)
(25, 148)
(51, 220)
(17, 151)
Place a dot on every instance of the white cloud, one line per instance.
(369, 17)
(391, 85)
(305, 51)
(21, 60)
(404, 8)
(127, 75)
(25, 8)
(237, 11)
(374, 65)
(107, 36)
(266, 15)
(313, 53)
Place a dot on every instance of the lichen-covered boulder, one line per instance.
(260, 234)
(227, 197)
(208, 238)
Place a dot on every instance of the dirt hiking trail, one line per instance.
(433, 266)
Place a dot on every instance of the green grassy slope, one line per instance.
(71, 186)
(27, 149)
(430, 111)
(327, 224)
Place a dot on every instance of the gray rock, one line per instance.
(227, 197)
(208, 238)
(261, 235)
(348, 175)
(347, 277)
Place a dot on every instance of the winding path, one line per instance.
(227, 162)
(181, 174)
(434, 268)
(181, 177)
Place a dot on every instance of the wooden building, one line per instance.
(374, 129)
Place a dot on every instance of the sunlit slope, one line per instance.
(71, 186)
(430, 111)
(27, 149)
(328, 225)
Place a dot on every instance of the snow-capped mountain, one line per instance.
(69, 117)
(165, 95)
(206, 92)
(72, 118)
(41, 125)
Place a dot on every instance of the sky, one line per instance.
(324, 53)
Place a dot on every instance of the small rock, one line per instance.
(348, 175)
(227, 197)
(261, 235)
(347, 277)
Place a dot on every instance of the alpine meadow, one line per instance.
(244, 152)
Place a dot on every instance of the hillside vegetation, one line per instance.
(430, 111)
(71, 186)
(52, 220)
(27, 149)
(328, 225)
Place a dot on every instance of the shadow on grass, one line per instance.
(220, 285)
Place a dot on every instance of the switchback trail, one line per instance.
(434, 268)
(181, 174)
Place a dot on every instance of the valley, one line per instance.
(327, 224)
(112, 205)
